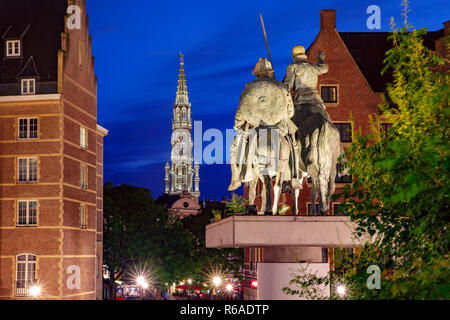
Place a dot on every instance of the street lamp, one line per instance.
(341, 290)
(140, 280)
(217, 281)
(142, 283)
(189, 281)
(229, 287)
(35, 291)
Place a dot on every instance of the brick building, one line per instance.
(353, 85)
(51, 154)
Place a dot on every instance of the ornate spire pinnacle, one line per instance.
(182, 93)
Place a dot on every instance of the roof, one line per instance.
(167, 199)
(369, 48)
(39, 24)
(15, 31)
(29, 70)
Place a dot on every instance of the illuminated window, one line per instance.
(329, 94)
(25, 273)
(82, 216)
(28, 128)
(27, 170)
(28, 86)
(345, 131)
(27, 213)
(83, 176)
(13, 48)
(83, 138)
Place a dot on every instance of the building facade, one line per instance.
(51, 153)
(352, 89)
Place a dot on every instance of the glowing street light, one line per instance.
(35, 291)
(341, 290)
(229, 287)
(140, 280)
(189, 281)
(217, 281)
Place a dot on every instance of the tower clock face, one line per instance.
(182, 146)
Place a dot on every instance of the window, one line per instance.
(83, 174)
(329, 94)
(82, 216)
(13, 48)
(27, 213)
(28, 128)
(83, 138)
(342, 179)
(386, 126)
(27, 170)
(28, 86)
(336, 210)
(345, 131)
(309, 209)
(25, 273)
(324, 255)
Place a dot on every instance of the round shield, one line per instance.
(264, 102)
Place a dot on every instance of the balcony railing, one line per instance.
(22, 287)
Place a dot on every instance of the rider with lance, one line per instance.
(271, 95)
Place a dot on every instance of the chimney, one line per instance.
(447, 28)
(328, 19)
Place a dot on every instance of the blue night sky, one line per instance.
(136, 46)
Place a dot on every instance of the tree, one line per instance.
(229, 260)
(138, 235)
(401, 186)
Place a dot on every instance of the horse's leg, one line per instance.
(331, 183)
(323, 194)
(314, 194)
(267, 191)
(252, 191)
(295, 195)
(284, 156)
(276, 197)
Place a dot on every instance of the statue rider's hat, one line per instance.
(263, 67)
(298, 51)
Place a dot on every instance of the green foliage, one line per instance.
(230, 260)
(401, 187)
(217, 215)
(235, 205)
(307, 285)
(138, 233)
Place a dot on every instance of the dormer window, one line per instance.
(13, 48)
(28, 86)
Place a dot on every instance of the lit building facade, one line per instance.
(51, 154)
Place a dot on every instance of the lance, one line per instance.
(267, 42)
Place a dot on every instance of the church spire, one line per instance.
(182, 93)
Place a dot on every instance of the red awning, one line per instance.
(185, 287)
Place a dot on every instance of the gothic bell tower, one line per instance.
(180, 175)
